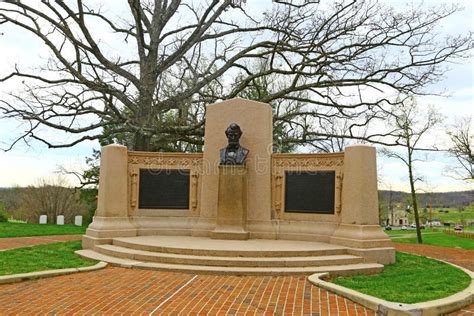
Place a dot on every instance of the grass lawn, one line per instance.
(440, 239)
(454, 215)
(42, 257)
(409, 231)
(25, 230)
(411, 279)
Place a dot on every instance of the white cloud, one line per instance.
(25, 170)
(393, 175)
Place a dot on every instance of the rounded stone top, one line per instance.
(239, 101)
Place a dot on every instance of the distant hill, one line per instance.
(437, 199)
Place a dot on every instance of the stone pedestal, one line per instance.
(359, 227)
(231, 218)
(111, 218)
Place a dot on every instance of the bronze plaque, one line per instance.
(310, 191)
(164, 189)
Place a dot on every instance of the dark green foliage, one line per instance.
(89, 197)
(3, 214)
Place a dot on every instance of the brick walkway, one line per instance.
(141, 292)
(460, 257)
(10, 243)
(127, 291)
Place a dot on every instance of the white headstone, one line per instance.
(43, 219)
(78, 220)
(60, 220)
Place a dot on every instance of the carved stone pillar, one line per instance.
(111, 218)
(359, 227)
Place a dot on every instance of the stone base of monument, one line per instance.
(368, 241)
(231, 204)
(229, 233)
(235, 257)
(103, 229)
(360, 236)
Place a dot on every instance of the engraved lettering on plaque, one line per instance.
(164, 189)
(310, 192)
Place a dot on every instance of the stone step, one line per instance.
(339, 270)
(91, 254)
(171, 258)
(202, 246)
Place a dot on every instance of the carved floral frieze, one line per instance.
(160, 159)
(309, 162)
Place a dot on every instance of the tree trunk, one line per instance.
(141, 142)
(413, 197)
(145, 114)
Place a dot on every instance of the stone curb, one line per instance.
(382, 307)
(6, 279)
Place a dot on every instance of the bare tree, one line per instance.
(51, 198)
(173, 57)
(412, 124)
(462, 144)
(340, 132)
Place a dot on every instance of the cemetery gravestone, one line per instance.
(78, 220)
(60, 220)
(43, 219)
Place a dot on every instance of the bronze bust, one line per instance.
(233, 154)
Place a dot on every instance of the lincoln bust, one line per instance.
(233, 154)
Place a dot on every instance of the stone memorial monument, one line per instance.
(239, 199)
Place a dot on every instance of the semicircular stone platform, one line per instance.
(238, 257)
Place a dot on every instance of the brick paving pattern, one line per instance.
(142, 292)
(10, 243)
(460, 257)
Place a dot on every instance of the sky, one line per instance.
(26, 164)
